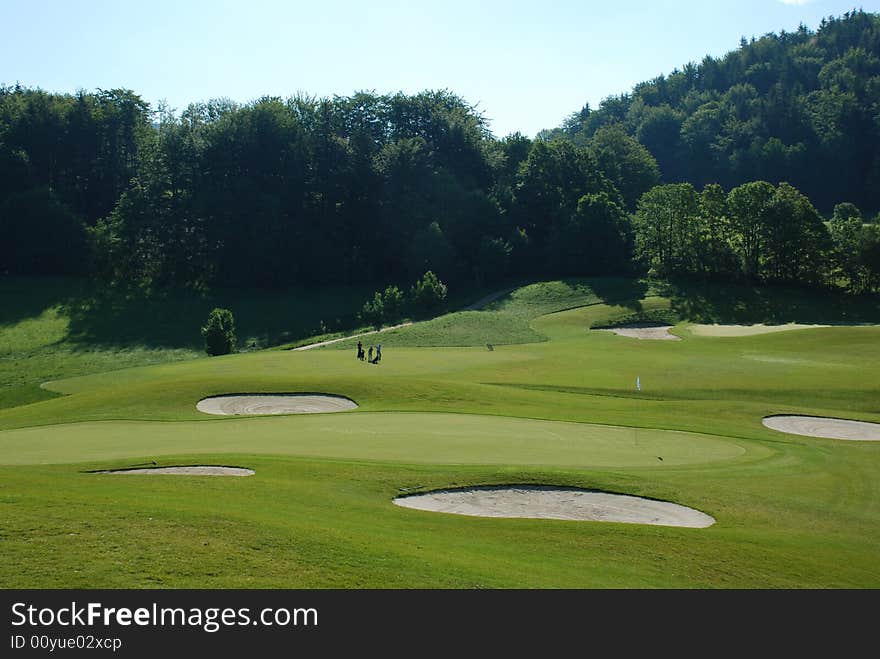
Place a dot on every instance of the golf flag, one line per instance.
(638, 384)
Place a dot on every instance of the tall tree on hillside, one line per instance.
(504, 158)
(406, 168)
(364, 128)
(846, 233)
(659, 129)
(869, 258)
(625, 162)
(701, 144)
(550, 183)
(748, 205)
(253, 193)
(667, 229)
(716, 252)
(600, 229)
(794, 239)
(125, 123)
(151, 242)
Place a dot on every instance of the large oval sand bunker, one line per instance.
(190, 470)
(827, 428)
(550, 502)
(257, 404)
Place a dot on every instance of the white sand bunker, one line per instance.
(816, 426)
(196, 470)
(275, 404)
(549, 502)
(644, 331)
(745, 330)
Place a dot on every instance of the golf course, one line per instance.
(528, 392)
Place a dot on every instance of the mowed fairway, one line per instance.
(791, 512)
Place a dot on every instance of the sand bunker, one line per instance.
(644, 331)
(549, 502)
(254, 404)
(196, 470)
(816, 426)
(745, 330)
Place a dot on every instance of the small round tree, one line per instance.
(392, 304)
(386, 307)
(219, 332)
(373, 311)
(428, 293)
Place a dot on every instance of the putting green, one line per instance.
(396, 437)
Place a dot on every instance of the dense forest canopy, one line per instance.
(801, 107)
(712, 171)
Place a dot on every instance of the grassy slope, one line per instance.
(507, 320)
(792, 512)
(58, 328)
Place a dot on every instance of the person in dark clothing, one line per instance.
(360, 351)
(378, 353)
(370, 355)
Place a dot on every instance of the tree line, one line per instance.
(382, 188)
(755, 232)
(796, 106)
(367, 188)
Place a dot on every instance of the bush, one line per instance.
(219, 332)
(386, 307)
(428, 293)
(392, 303)
(373, 311)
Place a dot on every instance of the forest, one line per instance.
(762, 165)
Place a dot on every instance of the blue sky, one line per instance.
(525, 65)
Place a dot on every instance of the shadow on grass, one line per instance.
(713, 302)
(174, 319)
(100, 316)
(27, 297)
(620, 291)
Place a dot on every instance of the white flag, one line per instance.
(638, 383)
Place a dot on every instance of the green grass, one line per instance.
(558, 406)
(391, 437)
(651, 310)
(507, 320)
(57, 328)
